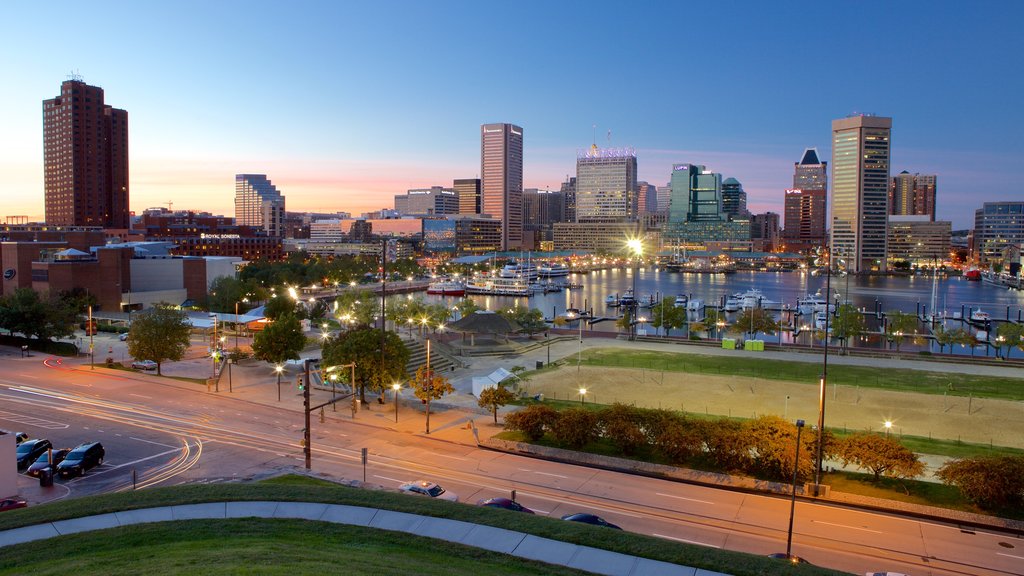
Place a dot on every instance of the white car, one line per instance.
(144, 365)
(424, 488)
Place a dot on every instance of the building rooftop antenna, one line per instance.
(594, 141)
(75, 76)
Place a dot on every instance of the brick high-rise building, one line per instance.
(912, 195)
(501, 182)
(804, 206)
(85, 158)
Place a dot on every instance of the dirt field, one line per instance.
(1000, 422)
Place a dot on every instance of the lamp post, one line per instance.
(824, 257)
(396, 387)
(92, 330)
(792, 501)
(278, 369)
(583, 394)
(888, 426)
(636, 246)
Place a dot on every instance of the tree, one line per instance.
(848, 323)
(879, 455)
(754, 320)
(530, 320)
(280, 340)
(466, 306)
(428, 385)
(899, 325)
(533, 421)
(278, 306)
(667, 315)
(494, 398)
(773, 447)
(78, 299)
(962, 337)
(710, 321)
(362, 346)
(160, 334)
(991, 482)
(26, 312)
(1009, 334)
(944, 338)
(575, 427)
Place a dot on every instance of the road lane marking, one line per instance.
(389, 479)
(140, 396)
(32, 421)
(845, 526)
(151, 442)
(682, 498)
(1010, 556)
(687, 541)
(451, 457)
(550, 474)
(28, 376)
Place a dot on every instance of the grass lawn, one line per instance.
(300, 547)
(921, 381)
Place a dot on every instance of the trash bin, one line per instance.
(540, 364)
(46, 477)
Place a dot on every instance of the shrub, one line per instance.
(727, 447)
(991, 482)
(534, 420)
(575, 427)
(880, 455)
(680, 441)
(625, 435)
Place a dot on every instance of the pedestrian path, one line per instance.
(500, 540)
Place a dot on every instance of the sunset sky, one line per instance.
(345, 104)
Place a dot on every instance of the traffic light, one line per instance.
(299, 384)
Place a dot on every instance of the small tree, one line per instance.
(362, 346)
(575, 427)
(667, 315)
(280, 340)
(879, 455)
(1010, 335)
(466, 306)
(848, 323)
(991, 482)
(944, 338)
(494, 398)
(533, 421)
(428, 385)
(160, 334)
(899, 325)
(773, 447)
(754, 320)
(279, 306)
(530, 320)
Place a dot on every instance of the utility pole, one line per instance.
(307, 450)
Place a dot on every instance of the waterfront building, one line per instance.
(696, 216)
(461, 235)
(734, 199)
(860, 190)
(259, 204)
(203, 234)
(433, 201)
(501, 188)
(918, 240)
(85, 159)
(542, 208)
(998, 227)
(912, 195)
(606, 185)
(468, 191)
(599, 237)
(764, 231)
(646, 198)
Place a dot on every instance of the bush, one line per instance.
(534, 420)
(728, 447)
(992, 482)
(680, 441)
(880, 455)
(575, 427)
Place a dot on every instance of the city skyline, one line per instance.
(354, 104)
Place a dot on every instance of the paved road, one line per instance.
(248, 431)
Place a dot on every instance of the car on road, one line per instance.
(29, 450)
(43, 461)
(144, 365)
(506, 504)
(591, 519)
(425, 488)
(123, 336)
(11, 504)
(84, 457)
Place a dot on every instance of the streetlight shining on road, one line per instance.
(278, 369)
(396, 387)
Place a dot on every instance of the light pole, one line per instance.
(888, 426)
(636, 246)
(278, 369)
(824, 257)
(396, 387)
(583, 394)
(92, 330)
(792, 501)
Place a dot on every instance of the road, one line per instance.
(172, 434)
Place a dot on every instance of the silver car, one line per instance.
(424, 488)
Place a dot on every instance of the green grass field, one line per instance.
(299, 547)
(905, 380)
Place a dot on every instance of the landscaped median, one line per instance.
(290, 546)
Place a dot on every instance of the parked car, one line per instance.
(29, 450)
(506, 504)
(84, 457)
(123, 336)
(11, 504)
(431, 489)
(43, 461)
(144, 365)
(591, 519)
(19, 437)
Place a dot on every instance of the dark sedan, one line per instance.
(29, 450)
(590, 519)
(43, 461)
(506, 504)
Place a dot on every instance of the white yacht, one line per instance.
(499, 286)
(813, 303)
(553, 270)
(680, 301)
(524, 270)
(695, 305)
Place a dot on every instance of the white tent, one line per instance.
(481, 383)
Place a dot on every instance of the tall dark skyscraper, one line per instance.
(468, 191)
(85, 158)
(501, 178)
(734, 199)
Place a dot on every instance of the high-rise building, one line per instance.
(259, 204)
(734, 199)
(804, 208)
(764, 230)
(433, 201)
(912, 195)
(569, 190)
(646, 198)
(810, 173)
(468, 191)
(501, 182)
(85, 158)
(998, 226)
(605, 185)
(664, 198)
(542, 208)
(860, 190)
(695, 210)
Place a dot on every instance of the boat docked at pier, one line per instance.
(813, 303)
(447, 287)
(555, 270)
(524, 270)
(499, 286)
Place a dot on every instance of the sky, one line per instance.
(345, 104)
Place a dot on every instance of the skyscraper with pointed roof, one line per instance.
(804, 206)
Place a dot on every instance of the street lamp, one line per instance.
(824, 257)
(888, 426)
(396, 387)
(583, 393)
(636, 246)
(246, 300)
(278, 369)
(792, 501)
